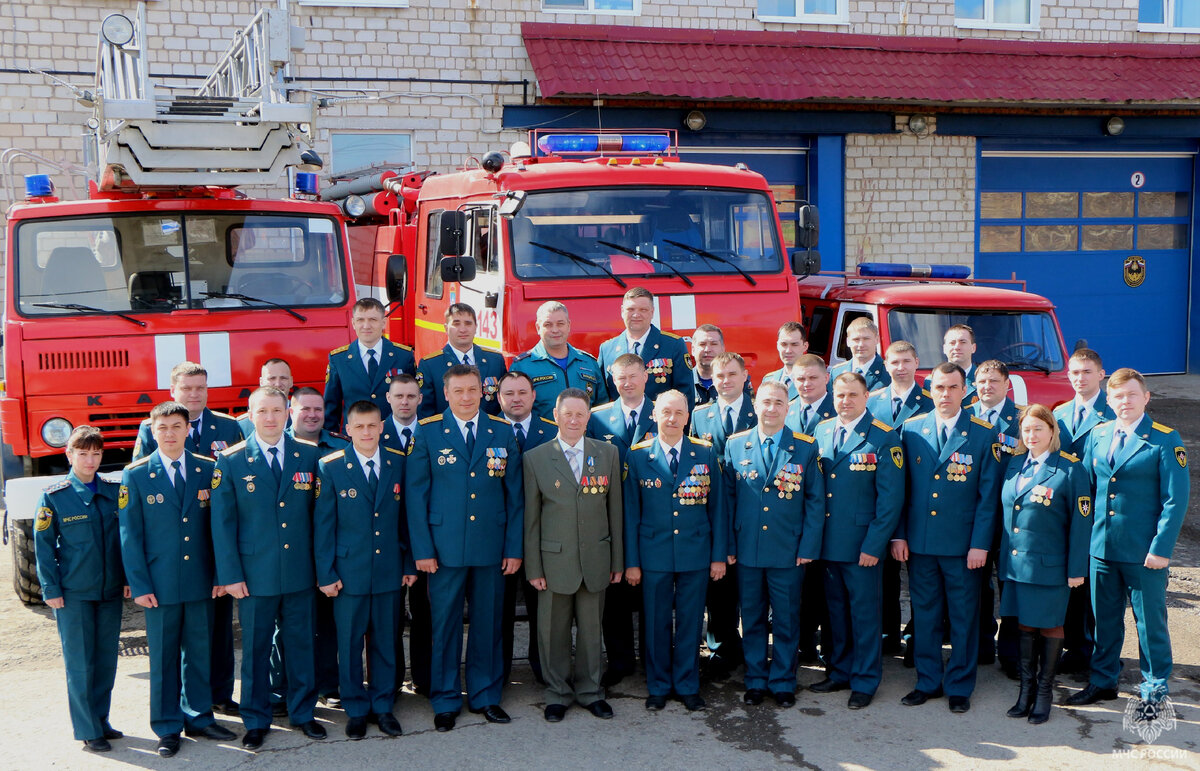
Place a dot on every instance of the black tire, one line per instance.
(25, 580)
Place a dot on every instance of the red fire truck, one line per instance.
(166, 261)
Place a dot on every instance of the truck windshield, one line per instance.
(695, 231)
(1020, 340)
(137, 263)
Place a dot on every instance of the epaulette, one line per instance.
(1160, 427)
(740, 433)
(640, 445)
(434, 355)
(430, 419)
(499, 419)
(335, 455)
(231, 450)
(803, 437)
(521, 356)
(298, 440)
(665, 333)
(880, 424)
(342, 349)
(336, 435)
(926, 392)
(980, 421)
(916, 417)
(389, 449)
(137, 463)
(878, 391)
(1020, 406)
(403, 346)
(599, 407)
(60, 485)
(222, 414)
(1069, 456)
(199, 456)
(701, 442)
(548, 420)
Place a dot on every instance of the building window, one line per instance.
(621, 7)
(1161, 15)
(358, 3)
(804, 11)
(997, 14)
(358, 154)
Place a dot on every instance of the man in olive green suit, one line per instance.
(573, 551)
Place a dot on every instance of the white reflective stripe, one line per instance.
(214, 357)
(683, 311)
(169, 350)
(1020, 392)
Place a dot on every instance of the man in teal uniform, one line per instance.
(263, 494)
(1139, 469)
(360, 542)
(276, 373)
(554, 364)
(665, 354)
(791, 343)
(862, 337)
(167, 550)
(958, 344)
(813, 404)
(78, 545)
(460, 348)
(364, 369)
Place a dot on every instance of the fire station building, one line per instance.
(1051, 139)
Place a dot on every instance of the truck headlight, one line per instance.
(56, 432)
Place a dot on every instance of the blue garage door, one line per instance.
(1106, 236)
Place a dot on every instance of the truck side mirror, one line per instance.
(806, 263)
(396, 279)
(457, 269)
(451, 233)
(808, 228)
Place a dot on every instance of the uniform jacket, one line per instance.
(778, 375)
(1046, 528)
(771, 530)
(217, 431)
(77, 540)
(346, 379)
(876, 376)
(607, 424)
(674, 522)
(433, 369)
(1006, 429)
(391, 438)
(573, 536)
(541, 430)
(970, 397)
(167, 549)
(465, 510)
(327, 442)
(359, 539)
(549, 379)
(824, 411)
(667, 363)
(1142, 496)
(864, 488)
(708, 394)
(918, 402)
(952, 495)
(263, 532)
(1074, 440)
(708, 423)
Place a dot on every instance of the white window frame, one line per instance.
(841, 16)
(367, 132)
(989, 13)
(591, 9)
(1166, 26)
(356, 3)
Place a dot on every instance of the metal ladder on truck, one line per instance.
(238, 128)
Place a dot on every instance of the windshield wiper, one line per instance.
(645, 256)
(248, 299)
(583, 260)
(711, 256)
(88, 309)
(1029, 364)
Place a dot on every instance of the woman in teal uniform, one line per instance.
(1046, 502)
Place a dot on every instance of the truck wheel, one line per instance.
(25, 580)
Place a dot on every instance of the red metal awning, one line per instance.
(580, 61)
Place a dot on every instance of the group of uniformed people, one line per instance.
(652, 481)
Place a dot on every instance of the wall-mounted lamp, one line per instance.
(695, 120)
(1114, 126)
(917, 124)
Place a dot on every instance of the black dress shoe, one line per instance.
(784, 698)
(959, 704)
(444, 721)
(656, 703)
(693, 702)
(279, 710)
(829, 685)
(168, 746)
(754, 696)
(218, 732)
(612, 676)
(331, 700)
(858, 700)
(600, 709)
(254, 738)
(555, 713)
(229, 708)
(96, 745)
(111, 733)
(388, 724)
(493, 714)
(313, 730)
(916, 697)
(356, 728)
(1090, 695)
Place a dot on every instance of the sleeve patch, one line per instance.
(1084, 503)
(996, 450)
(216, 480)
(898, 457)
(123, 497)
(1181, 457)
(44, 516)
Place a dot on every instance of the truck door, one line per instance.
(846, 313)
(486, 292)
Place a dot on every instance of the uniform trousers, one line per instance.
(179, 635)
(221, 653)
(674, 619)
(938, 584)
(370, 619)
(90, 631)
(855, 626)
(512, 585)
(776, 590)
(1146, 590)
(724, 637)
(294, 613)
(483, 588)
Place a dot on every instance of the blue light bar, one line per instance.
(912, 270)
(38, 186)
(567, 144)
(306, 183)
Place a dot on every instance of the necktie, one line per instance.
(520, 432)
(372, 479)
(945, 435)
(728, 426)
(807, 416)
(631, 423)
(177, 479)
(470, 437)
(372, 365)
(990, 417)
(1079, 417)
(840, 440)
(1117, 446)
(1027, 474)
(406, 437)
(194, 431)
(573, 460)
(467, 359)
(637, 349)
(274, 464)
(896, 402)
(769, 453)
(674, 462)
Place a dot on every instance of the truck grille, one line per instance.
(120, 428)
(61, 361)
